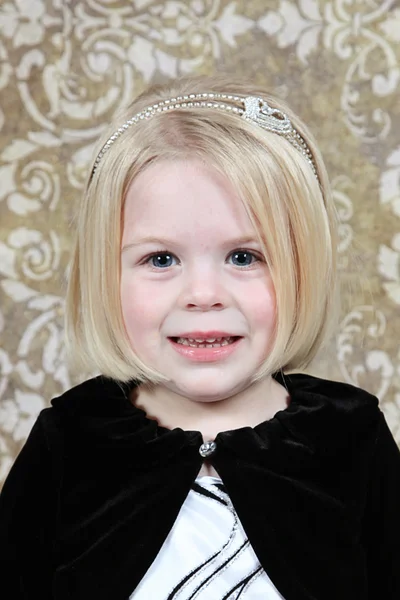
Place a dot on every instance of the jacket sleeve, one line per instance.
(27, 508)
(381, 525)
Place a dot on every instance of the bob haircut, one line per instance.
(293, 214)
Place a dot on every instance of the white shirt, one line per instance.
(206, 555)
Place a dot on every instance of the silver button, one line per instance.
(207, 449)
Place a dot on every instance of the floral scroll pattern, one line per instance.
(67, 66)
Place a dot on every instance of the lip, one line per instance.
(205, 354)
(203, 335)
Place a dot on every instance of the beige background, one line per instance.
(66, 66)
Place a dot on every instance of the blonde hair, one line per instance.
(293, 215)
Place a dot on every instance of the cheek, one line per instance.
(139, 313)
(262, 305)
(132, 306)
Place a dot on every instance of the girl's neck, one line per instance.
(258, 403)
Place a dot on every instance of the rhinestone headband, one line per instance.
(252, 109)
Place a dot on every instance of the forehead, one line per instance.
(184, 196)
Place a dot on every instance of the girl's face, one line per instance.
(204, 280)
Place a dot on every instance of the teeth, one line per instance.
(208, 343)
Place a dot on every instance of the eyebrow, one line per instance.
(164, 242)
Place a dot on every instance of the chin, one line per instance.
(211, 391)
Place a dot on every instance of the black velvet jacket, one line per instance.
(98, 485)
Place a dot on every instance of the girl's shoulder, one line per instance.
(336, 398)
(329, 416)
(312, 384)
(96, 396)
(92, 408)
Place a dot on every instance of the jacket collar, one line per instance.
(320, 419)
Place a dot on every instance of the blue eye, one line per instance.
(244, 257)
(247, 255)
(164, 256)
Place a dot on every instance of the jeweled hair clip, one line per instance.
(251, 108)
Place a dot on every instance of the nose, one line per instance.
(204, 289)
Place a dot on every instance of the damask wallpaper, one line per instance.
(67, 65)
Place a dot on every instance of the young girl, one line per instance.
(195, 466)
